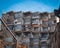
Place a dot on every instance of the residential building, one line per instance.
(33, 29)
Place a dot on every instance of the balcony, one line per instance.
(43, 46)
(18, 21)
(27, 22)
(9, 39)
(27, 29)
(45, 29)
(44, 36)
(45, 24)
(36, 29)
(44, 39)
(36, 35)
(34, 17)
(18, 27)
(34, 40)
(36, 21)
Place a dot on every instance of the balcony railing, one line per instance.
(35, 17)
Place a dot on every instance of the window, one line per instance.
(44, 36)
(45, 29)
(34, 40)
(44, 43)
(0, 25)
(36, 14)
(43, 46)
(9, 21)
(50, 22)
(36, 29)
(52, 28)
(18, 27)
(53, 17)
(36, 21)
(34, 46)
(18, 15)
(27, 20)
(44, 17)
(11, 27)
(35, 35)
(44, 23)
(27, 34)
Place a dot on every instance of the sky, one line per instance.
(28, 5)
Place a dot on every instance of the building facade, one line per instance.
(33, 29)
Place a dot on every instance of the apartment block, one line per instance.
(33, 29)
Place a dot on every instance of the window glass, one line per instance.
(27, 34)
(43, 42)
(35, 35)
(50, 22)
(18, 26)
(27, 20)
(45, 29)
(11, 27)
(36, 14)
(43, 46)
(35, 21)
(36, 29)
(44, 36)
(45, 23)
(53, 17)
(18, 15)
(0, 25)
